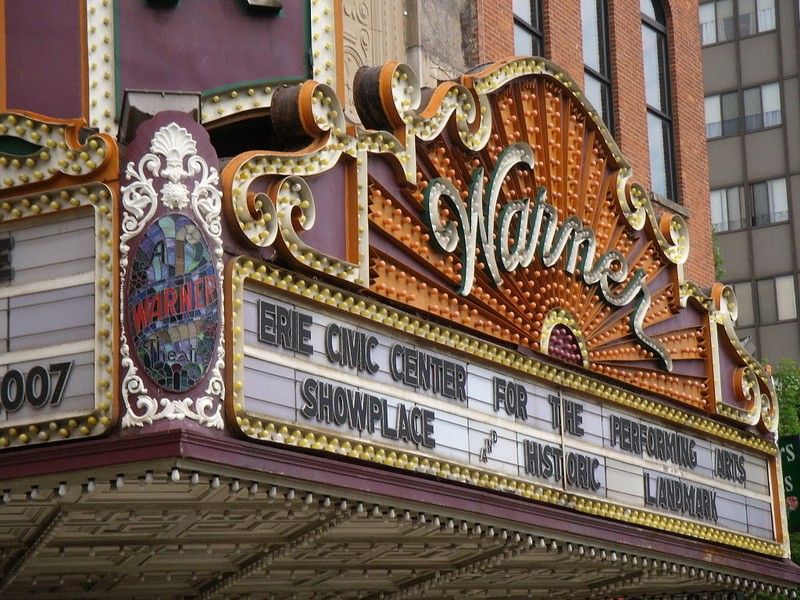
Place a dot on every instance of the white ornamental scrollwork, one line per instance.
(140, 201)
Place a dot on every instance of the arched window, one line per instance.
(659, 98)
(597, 58)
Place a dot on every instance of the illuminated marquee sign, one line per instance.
(523, 229)
(556, 350)
(343, 384)
(56, 303)
(504, 207)
(49, 308)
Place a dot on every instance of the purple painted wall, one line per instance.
(44, 56)
(198, 45)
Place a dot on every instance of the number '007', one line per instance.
(38, 387)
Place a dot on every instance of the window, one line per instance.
(722, 115)
(770, 203)
(756, 16)
(744, 302)
(727, 209)
(597, 58)
(528, 31)
(718, 23)
(762, 106)
(659, 98)
(776, 299)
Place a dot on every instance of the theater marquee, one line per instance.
(455, 334)
(488, 298)
(470, 288)
(56, 295)
(363, 381)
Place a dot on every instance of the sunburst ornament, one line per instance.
(525, 226)
(500, 206)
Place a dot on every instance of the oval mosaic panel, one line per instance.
(173, 303)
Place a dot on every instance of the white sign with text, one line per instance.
(346, 376)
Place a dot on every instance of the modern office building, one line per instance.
(750, 58)
(341, 299)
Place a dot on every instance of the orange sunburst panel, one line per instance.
(629, 330)
(558, 147)
(391, 279)
(612, 329)
(538, 288)
(592, 311)
(688, 344)
(620, 351)
(685, 389)
(498, 300)
(609, 326)
(601, 216)
(575, 172)
(402, 225)
(662, 307)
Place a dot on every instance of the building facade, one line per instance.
(751, 74)
(322, 299)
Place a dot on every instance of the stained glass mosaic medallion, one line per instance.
(173, 303)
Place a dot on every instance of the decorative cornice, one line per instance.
(192, 450)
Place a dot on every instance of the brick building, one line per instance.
(368, 299)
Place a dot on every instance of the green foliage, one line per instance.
(794, 547)
(719, 260)
(787, 387)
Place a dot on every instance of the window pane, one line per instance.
(719, 211)
(747, 17)
(765, 13)
(523, 41)
(779, 207)
(708, 24)
(771, 104)
(594, 92)
(657, 138)
(591, 35)
(744, 300)
(760, 194)
(753, 117)
(647, 7)
(767, 309)
(654, 59)
(785, 296)
(522, 10)
(736, 210)
(657, 93)
(538, 45)
(727, 209)
(528, 38)
(725, 21)
(598, 92)
(713, 117)
(730, 113)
